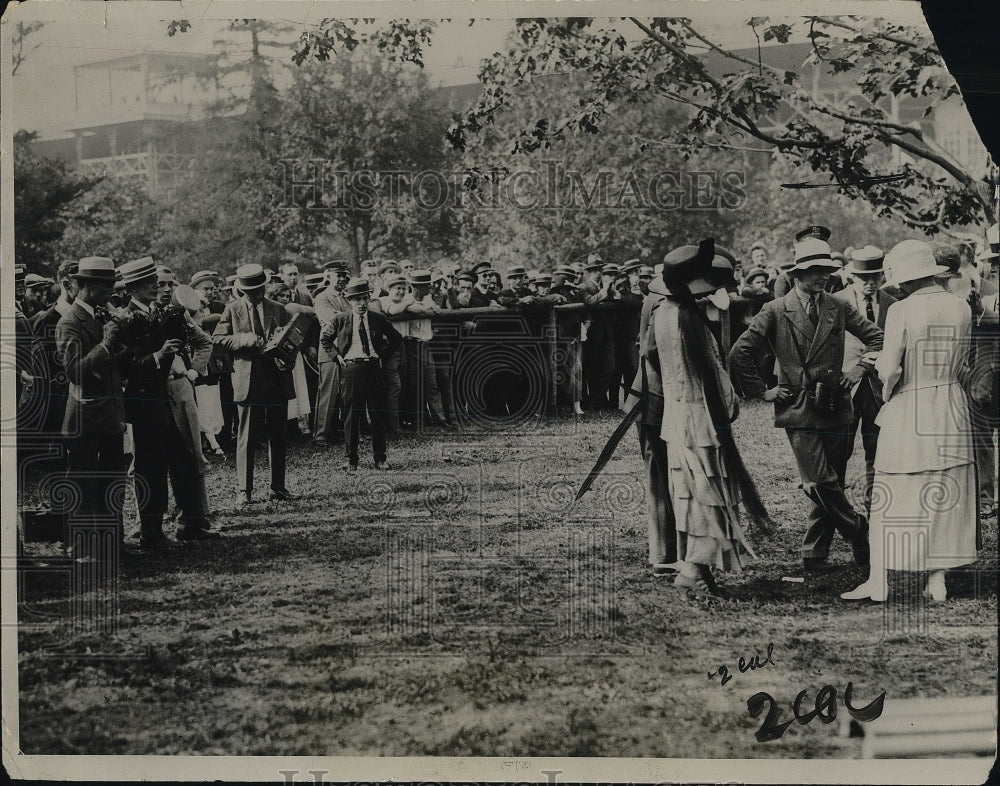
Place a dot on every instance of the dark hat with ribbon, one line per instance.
(631, 266)
(699, 268)
(646, 271)
(516, 270)
(480, 267)
(357, 288)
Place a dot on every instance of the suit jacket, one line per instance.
(256, 379)
(146, 395)
(784, 325)
(339, 332)
(328, 304)
(854, 349)
(95, 404)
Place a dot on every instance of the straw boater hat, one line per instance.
(420, 278)
(631, 265)
(813, 252)
(250, 276)
(357, 288)
(866, 261)
(516, 270)
(138, 270)
(912, 260)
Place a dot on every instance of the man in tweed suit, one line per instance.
(806, 329)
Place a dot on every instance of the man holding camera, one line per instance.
(812, 400)
(262, 385)
(160, 448)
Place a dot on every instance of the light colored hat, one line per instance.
(912, 260)
(96, 269)
(630, 265)
(251, 276)
(645, 271)
(35, 280)
(866, 261)
(388, 266)
(516, 270)
(138, 270)
(813, 252)
(204, 275)
(186, 296)
(397, 280)
(419, 277)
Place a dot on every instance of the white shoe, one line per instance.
(867, 591)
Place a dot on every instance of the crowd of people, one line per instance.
(139, 375)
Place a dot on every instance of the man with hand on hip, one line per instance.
(357, 340)
(812, 400)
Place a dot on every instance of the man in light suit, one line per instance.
(357, 340)
(806, 329)
(262, 385)
(328, 303)
(94, 420)
(872, 303)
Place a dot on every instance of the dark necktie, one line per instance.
(869, 308)
(365, 346)
(258, 326)
(812, 311)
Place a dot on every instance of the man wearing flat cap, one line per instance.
(94, 420)
(812, 400)
(871, 301)
(261, 387)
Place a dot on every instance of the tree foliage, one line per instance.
(744, 98)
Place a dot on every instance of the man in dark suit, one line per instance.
(806, 328)
(94, 420)
(289, 273)
(357, 340)
(262, 385)
(865, 295)
(160, 449)
(52, 387)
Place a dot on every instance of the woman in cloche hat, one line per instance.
(929, 519)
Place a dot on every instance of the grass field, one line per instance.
(461, 605)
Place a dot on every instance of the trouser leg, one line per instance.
(277, 442)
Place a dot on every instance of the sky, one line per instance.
(42, 92)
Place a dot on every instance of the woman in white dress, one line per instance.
(924, 467)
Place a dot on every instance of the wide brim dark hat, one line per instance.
(356, 288)
(688, 264)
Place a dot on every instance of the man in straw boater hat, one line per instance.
(262, 385)
(94, 422)
(812, 400)
(161, 450)
(358, 340)
(872, 302)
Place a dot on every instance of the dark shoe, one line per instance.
(162, 543)
(197, 534)
(382, 465)
(818, 565)
(322, 440)
(280, 494)
(859, 545)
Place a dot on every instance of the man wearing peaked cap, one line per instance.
(871, 301)
(806, 327)
(261, 387)
(815, 231)
(481, 295)
(35, 287)
(94, 421)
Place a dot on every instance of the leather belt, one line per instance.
(362, 360)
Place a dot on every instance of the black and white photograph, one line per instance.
(471, 392)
